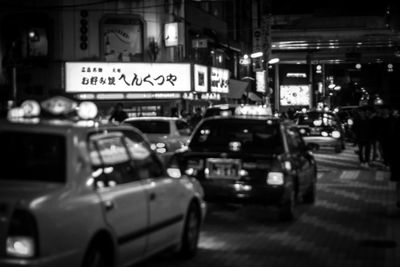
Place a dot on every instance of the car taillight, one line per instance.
(335, 134)
(22, 238)
(275, 178)
(193, 166)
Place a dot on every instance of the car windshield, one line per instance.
(317, 119)
(32, 157)
(151, 126)
(255, 136)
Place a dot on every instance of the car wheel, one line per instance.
(287, 208)
(96, 257)
(191, 233)
(310, 196)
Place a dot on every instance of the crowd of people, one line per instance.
(376, 131)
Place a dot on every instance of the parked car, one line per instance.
(322, 128)
(166, 134)
(79, 192)
(251, 160)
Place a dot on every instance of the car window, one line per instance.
(183, 127)
(323, 119)
(110, 160)
(146, 163)
(255, 136)
(32, 156)
(151, 126)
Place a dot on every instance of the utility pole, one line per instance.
(266, 43)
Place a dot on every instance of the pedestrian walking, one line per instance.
(196, 118)
(118, 114)
(362, 131)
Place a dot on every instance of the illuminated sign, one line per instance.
(173, 34)
(219, 80)
(112, 77)
(200, 78)
(260, 81)
(295, 95)
(296, 75)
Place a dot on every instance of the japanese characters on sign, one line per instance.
(200, 78)
(104, 77)
(219, 80)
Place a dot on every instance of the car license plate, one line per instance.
(223, 168)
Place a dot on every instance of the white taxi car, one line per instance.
(166, 134)
(83, 193)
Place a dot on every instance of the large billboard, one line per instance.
(111, 77)
(295, 95)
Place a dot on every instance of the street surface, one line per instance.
(353, 223)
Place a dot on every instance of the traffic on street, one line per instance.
(352, 223)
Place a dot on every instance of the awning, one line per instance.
(254, 97)
(237, 89)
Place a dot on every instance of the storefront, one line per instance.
(147, 89)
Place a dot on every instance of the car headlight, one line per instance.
(275, 178)
(324, 134)
(20, 246)
(159, 147)
(336, 134)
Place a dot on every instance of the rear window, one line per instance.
(219, 112)
(32, 157)
(151, 127)
(317, 119)
(255, 136)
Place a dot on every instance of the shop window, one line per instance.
(122, 38)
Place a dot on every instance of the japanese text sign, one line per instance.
(200, 78)
(126, 77)
(219, 80)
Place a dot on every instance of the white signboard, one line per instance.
(260, 81)
(219, 80)
(93, 77)
(173, 34)
(200, 78)
(295, 95)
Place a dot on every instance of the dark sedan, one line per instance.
(246, 159)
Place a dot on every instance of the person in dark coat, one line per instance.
(196, 118)
(394, 159)
(118, 113)
(362, 131)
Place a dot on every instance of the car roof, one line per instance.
(158, 118)
(59, 125)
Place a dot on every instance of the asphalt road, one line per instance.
(353, 223)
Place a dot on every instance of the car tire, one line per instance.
(191, 233)
(96, 256)
(287, 208)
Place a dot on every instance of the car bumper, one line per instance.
(245, 193)
(59, 260)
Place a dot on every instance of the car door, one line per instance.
(301, 160)
(165, 196)
(123, 195)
